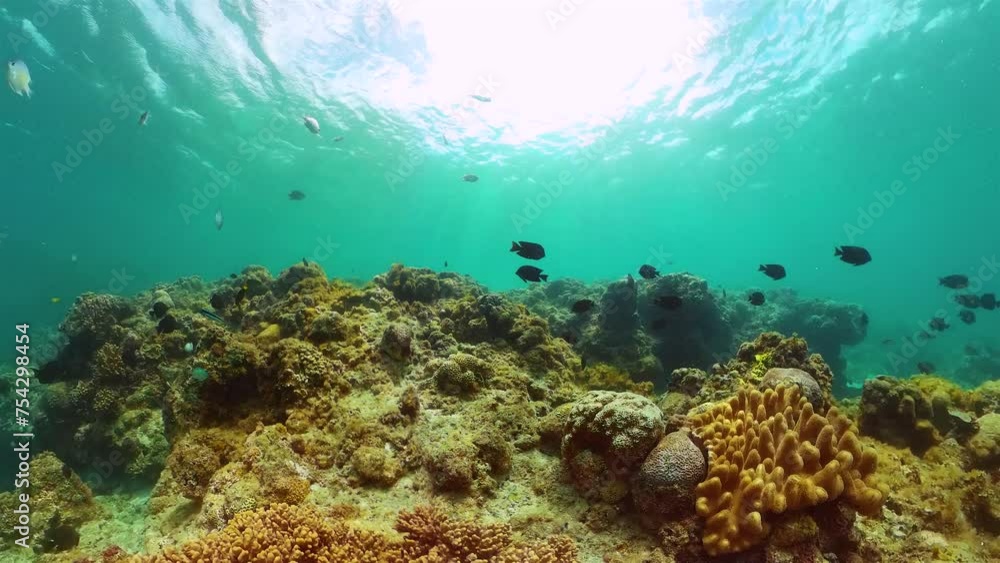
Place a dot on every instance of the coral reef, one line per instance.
(921, 412)
(58, 498)
(305, 417)
(288, 533)
(770, 453)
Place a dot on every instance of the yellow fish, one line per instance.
(18, 78)
(55, 299)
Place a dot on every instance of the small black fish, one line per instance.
(968, 300)
(218, 301)
(159, 309)
(988, 301)
(853, 255)
(926, 367)
(305, 262)
(887, 341)
(967, 316)
(445, 263)
(756, 298)
(648, 272)
(61, 538)
(296, 195)
(529, 250)
(864, 319)
(67, 471)
(938, 324)
(723, 293)
(531, 274)
(167, 325)
(144, 118)
(669, 302)
(659, 324)
(954, 281)
(241, 294)
(582, 306)
(773, 271)
(470, 178)
(232, 276)
(924, 335)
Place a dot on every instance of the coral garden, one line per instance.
(422, 418)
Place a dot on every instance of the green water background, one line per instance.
(847, 92)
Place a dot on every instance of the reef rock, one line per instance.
(607, 435)
(794, 377)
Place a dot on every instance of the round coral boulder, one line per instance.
(665, 485)
(788, 377)
(397, 342)
(612, 433)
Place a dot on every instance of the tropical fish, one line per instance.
(218, 219)
(19, 78)
(531, 274)
(853, 255)
(311, 124)
(967, 316)
(470, 178)
(55, 300)
(167, 325)
(582, 306)
(968, 300)
(773, 271)
(159, 309)
(756, 298)
(529, 250)
(954, 281)
(926, 367)
(144, 118)
(988, 301)
(938, 324)
(212, 316)
(648, 272)
(199, 374)
(296, 195)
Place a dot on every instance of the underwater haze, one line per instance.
(700, 136)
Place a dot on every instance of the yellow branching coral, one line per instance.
(770, 453)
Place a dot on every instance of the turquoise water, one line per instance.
(634, 116)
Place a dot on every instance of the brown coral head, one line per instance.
(770, 453)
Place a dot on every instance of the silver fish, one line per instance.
(144, 118)
(218, 219)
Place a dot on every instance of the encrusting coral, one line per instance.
(770, 453)
(282, 533)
